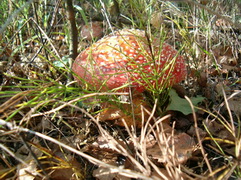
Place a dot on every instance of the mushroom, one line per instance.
(125, 59)
(93, 30)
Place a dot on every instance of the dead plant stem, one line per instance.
(198, 135)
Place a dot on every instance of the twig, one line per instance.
(73, 29)
(33, 155)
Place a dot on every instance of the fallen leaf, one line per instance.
(182, 144)
(105, 149)
(234, 105)
(181, 104)
(69, 169)
(27, 172)
(219, 130)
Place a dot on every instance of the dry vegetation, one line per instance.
(53, 129)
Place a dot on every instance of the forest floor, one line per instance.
(53, 128)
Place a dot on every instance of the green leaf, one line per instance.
(63, 63)
(181, 104)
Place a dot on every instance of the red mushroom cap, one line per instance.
(124, 58)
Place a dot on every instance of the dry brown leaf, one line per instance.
(27, 172)
(220, 86)
(66, 173)
(183, 148)
(219, 130)
(192, 132)
(224, 55)
(104, 149)
(234, 105)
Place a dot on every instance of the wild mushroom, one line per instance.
(126, 58)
